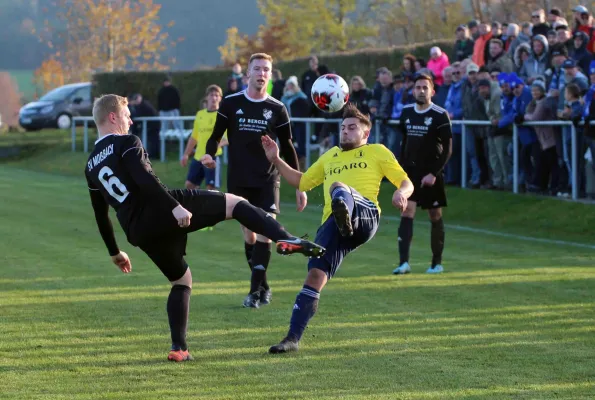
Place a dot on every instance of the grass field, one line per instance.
(510, 318)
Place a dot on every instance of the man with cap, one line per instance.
(573, 75)
(473, 27)
(529, 149)
(584, 23)
(554, 15)
(463, 44)
(500, 134)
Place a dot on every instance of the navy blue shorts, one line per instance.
(365, 224)
(198, 172)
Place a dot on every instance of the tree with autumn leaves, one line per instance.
(88, 36)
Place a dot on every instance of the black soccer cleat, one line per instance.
(342, 218)
(252, 300)
(300, 245)
(287, 345)
(266, 296)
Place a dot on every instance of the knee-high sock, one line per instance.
(437, 241)
(259, 221)
(306, 304)
(178, 306)
(405, 237)
(260, 263)
(248, 249)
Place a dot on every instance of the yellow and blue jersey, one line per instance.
(362, 168)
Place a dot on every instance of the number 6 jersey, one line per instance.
(119, 173)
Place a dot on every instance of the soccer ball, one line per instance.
(330, 93)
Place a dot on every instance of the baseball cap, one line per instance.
(559, 51)
(569, 64)
(461, 28)
(581, 9)
(472, 24)
(484, 82)
(472, 68)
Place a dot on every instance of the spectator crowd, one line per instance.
(502, 73)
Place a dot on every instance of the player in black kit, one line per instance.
(157, 220)
(427, 146)
(246, 116)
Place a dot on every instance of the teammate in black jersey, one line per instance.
(248, 115)
(427, 145)
(157, 220)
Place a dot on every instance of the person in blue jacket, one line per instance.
(500, 134)
(529, 150)
(454, 107)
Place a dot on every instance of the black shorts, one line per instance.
(427, 197)
(265, 197)
(167, 250)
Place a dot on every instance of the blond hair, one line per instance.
(214, 88)
(260, 56)
(106, 104)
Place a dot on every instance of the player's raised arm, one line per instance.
(271, 150)
(285, 143)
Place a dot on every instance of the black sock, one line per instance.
(405, 236)
(248, 249)
(437, 241)
(259, 221)
(306, 305)
(178, 305)
(260, 263)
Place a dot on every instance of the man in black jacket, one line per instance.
(168, 102)
(140, 107)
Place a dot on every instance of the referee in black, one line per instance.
(427, 146)
(247, 116)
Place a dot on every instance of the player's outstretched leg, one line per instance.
(178, 306)
(405, 238)
(342, 204)
(306, 304)
(262, 223)
(436, 241)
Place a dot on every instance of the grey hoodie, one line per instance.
(536, 65)
(521, 38)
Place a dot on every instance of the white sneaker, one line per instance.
(436, 270)
(402, 269)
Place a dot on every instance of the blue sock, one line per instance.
(344, 194)
(306, 304)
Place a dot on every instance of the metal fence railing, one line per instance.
(182, 136)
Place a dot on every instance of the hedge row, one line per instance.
(192, 84)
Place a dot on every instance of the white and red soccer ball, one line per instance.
(330, 93)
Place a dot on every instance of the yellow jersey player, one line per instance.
(201, 132)
(351, 176)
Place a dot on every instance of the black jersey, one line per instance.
(119, 173)
(245, 121)
(427, 139)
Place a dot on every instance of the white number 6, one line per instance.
(111, 182)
